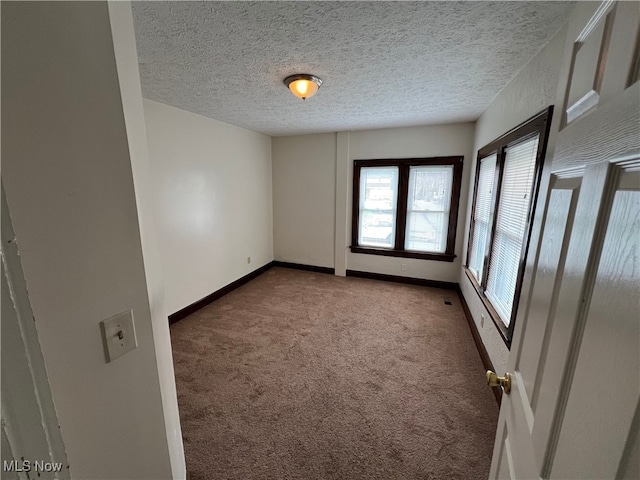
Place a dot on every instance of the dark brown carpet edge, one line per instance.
(300, 375)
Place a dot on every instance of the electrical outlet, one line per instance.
(248, 259)
(481, 321)
(403, 267)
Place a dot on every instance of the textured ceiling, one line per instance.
(383, 64)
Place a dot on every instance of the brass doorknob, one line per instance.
(494, 380)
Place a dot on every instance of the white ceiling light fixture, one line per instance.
(303, 85)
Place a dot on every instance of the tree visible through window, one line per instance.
(406, 207)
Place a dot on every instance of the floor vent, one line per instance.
(447, 301)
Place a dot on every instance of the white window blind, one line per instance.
(481, 215)
(378, 203)
(511, 222)
(428, 208)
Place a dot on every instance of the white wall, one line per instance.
(213, 198)
(530, 91)
(129, 78)
(313, 173)
(68, 179)
(304, 172)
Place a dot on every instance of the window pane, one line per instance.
(481, 215)
(378, 201)
(427, 231)
(511, 222)
(428, 208)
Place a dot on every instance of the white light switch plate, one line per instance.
(118, 335)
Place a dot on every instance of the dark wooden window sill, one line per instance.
(495, 317)
(388, 252)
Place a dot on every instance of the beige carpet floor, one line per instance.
(300, 375)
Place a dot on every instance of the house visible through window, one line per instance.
(406, 207)
(507, 181)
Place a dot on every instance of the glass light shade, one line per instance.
(303, 85)
(303, 88)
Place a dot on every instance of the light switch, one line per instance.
(118, 335)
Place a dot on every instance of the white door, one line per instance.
(32, 446)
(573, 410)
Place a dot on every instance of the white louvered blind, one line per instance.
(481, 215)
(511, 222)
